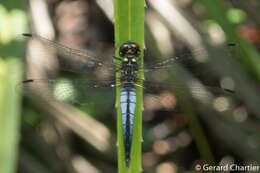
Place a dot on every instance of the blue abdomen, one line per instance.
(127, 105)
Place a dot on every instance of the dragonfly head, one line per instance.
(129, 49)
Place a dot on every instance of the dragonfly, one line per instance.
(83, 62)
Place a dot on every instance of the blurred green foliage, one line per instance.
(11, 53)
(236, 15)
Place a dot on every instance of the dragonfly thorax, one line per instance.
(129, 52)
(129, 72)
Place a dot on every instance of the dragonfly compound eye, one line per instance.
(123, 49)
(129, 49)
(135, 50)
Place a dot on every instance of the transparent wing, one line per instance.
(184, 59)
(73, 91)
(101, 93)
(77, 61)
(158, 77)
(165, 94)
(194, 58)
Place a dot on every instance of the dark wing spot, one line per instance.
(232, 44)
(27, 35)
(27, 81)
(229, 90)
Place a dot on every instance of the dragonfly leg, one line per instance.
(115, 57)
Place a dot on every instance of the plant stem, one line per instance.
(129, 26)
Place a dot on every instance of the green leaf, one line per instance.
(10, 76)
(129, 26)
(9, 114)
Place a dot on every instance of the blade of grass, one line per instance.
(9, 115)
(129, 26)
(10, 76)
